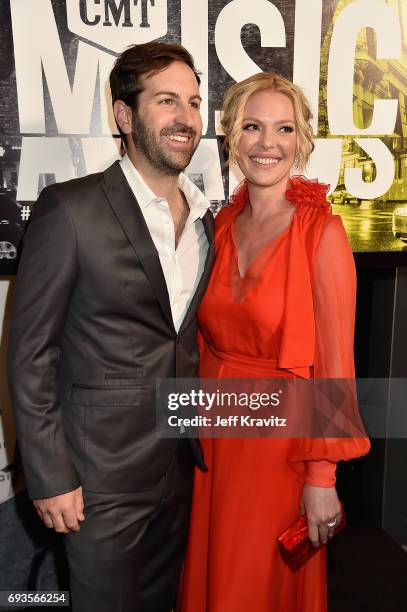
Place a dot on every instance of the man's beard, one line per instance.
(165, 161)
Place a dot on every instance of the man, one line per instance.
(113, 269)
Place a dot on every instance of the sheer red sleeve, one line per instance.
(334, 296)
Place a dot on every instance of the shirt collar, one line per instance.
(198, 204)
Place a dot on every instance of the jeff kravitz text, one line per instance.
(223, 404)
(229, 421)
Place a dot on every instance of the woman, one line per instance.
(280, 303)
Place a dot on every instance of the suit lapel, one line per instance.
(208, 223)
(131, 220)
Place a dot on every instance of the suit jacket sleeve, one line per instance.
(45, 284)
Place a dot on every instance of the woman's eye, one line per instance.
(287, 129)
(250, 127)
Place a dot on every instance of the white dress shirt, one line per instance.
(182, 266)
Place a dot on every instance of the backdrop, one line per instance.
(350, 57)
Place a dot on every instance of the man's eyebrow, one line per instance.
(175, 95)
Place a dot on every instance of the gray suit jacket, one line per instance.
(91, 331)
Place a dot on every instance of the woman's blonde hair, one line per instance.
(236, 98)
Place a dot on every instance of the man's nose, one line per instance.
(185, 114)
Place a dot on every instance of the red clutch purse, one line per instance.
(295, 545)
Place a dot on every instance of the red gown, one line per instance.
(291, 315)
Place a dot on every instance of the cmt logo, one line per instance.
(115, 24)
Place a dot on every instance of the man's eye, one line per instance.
(195, 105)
(250, 127)
(167, 101)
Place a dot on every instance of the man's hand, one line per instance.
(321, 505)
(63, 512)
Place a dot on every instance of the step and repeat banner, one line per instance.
(349, 56)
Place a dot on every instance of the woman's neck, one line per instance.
(267, 200)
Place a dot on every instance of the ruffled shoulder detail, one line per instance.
(240, 196)
(229, 211)
(303, 192)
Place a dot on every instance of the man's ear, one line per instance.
(123, 115)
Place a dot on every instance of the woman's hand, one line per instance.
(321, 506)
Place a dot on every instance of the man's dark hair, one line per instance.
(141, 60)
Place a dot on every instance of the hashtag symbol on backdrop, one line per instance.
(25, 213)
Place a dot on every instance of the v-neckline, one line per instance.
(262, 250)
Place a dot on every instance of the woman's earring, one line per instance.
(296, 161)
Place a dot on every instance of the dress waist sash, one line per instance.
(261, 368)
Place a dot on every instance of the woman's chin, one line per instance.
(270, 180)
